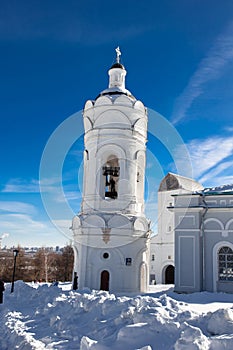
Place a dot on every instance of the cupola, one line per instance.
(117, 74)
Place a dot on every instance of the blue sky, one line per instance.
(54, 55)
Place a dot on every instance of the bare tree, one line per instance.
(67, 263)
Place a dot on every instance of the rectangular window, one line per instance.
(152, 279)
(128, 261)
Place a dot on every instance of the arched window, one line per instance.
(225, 264)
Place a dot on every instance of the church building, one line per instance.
(162, 250)
(111, 233)
(204, 240)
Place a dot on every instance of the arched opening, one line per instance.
(223, 267)
(225, 264)
(169, 274)
(111, 172)
(104, 280)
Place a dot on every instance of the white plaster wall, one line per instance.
(162, 244)
(114, 129)
(123, 278)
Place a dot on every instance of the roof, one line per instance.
(116, 91)
(174, 182)
(117, 65)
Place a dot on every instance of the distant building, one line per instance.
(162, 244)
(204, 240)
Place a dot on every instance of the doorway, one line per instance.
(169, 274)
(104, 280)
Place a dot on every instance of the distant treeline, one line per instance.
(43, 265)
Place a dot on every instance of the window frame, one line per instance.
(225, 264)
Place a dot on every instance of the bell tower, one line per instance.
(111, 233)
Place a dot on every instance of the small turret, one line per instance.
(117, 74)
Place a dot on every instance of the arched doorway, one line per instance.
(104, 280)
(169, 274)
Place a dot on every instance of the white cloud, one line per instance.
(211, 158)
(208, 153)
(73, 196)
(229, 128)
(215, 177)
(9, 221)
(220, 180)
(31, 186)
(210, 68)
(17, 207)
(26, 231)
(21, 186)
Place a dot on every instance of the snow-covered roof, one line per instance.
(218, 189)
(173, 182)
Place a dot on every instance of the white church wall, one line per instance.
(162, 245)
(122, 263)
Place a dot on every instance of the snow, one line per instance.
(44, 316)
(223, 188)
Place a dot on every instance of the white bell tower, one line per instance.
(111, 233)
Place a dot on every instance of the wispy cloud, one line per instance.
(31, 186)
(229, 128)
(17, 207)
(210, 68)
(211, 158)
(26, 231)
(21, 186)
(217, 176)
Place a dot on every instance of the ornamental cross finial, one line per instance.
(118, 52)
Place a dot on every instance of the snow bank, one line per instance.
(221, 321)
(50, 317)
(192, 338)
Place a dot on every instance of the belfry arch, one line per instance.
(111, 173)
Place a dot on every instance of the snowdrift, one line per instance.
(50, 317)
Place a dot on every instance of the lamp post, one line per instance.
(15, 252)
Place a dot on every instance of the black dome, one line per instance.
(117, 65)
